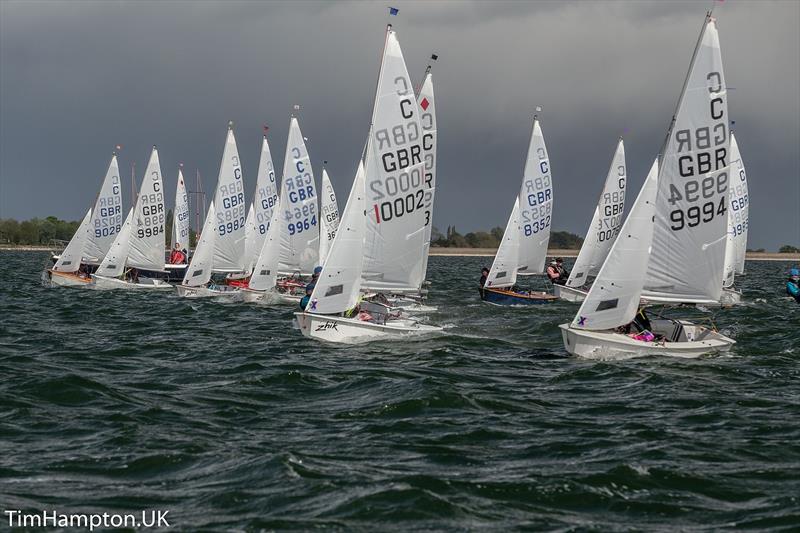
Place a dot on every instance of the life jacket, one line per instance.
(177, 257)
(553, 272)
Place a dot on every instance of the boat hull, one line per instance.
(267, 297)
(343, 330)
(613, 345)
(107, 283)
(507, 297)
(228, 295)
(67, 279)
(569, 294)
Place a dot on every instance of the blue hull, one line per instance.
(511, 298)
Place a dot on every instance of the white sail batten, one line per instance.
(180, 223)
(605, 223)
(535, 206)
(106, 215)
(740, 207)
(337, 288)
(229, 207)
(300, 233)
(427, 110)
(71, 257)
(265, 270)
(691, 223)
(614, 297)
(147, 240)
(504, 268)
(200, 267)
(264, 201)
(329, 214)
(394, 177)
(114, 262)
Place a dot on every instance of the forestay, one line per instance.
(71, 257)
(605, 223)
(300, 236)
(504, 268)
(427, 110)
(265, 271)
(147, 240)
(338, 286)
(265, 198)
(230, 208)
(106, 215)
(535, 206)
(180, 224)
(329, 214)
(739, 207)
(113, 264)
(614, 297)
(691, 214)
(199, 271)
(394, 177)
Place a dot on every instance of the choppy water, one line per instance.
(227, 417)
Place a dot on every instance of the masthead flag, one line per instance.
(393, 11)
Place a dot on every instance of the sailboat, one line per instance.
(264, 202)
(387, 236)
(141, 242)
(329, 215)
(181, 230)
(262, 285)
(740, 205)
(672, 247)
(523, 249)
(221, 247)
(95, 234)
(602, 231)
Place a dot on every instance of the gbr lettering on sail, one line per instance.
(400, 153)
(699, 193)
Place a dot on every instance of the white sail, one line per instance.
(113, 264)
(605, 223)
(300, 236)
(329, 214)
(338, 286)
(394, 180)
(729, 266)
(504, 268)
(265, 198)
(427, 106)
(199, 271)
(691, 216)
(249, 236)
(180, 223)
(740, 207)
(535, 206)
(614, 297)
(106, 215)
(265, 270)
(229, 206)
(148, 241)
(71, 257)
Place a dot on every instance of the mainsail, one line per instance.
(106, 215)
(329, 213)
(230, 213)
(180, 223)
(70, 259)
(739, 208)
(691, 223)
(614, 297)
(605, 223)
(427, 107)
(395, 184)
(265, 198)
(300, 233)
(535, 206)
(147, 240)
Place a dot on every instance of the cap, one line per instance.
(317, 270)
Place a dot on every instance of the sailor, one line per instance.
(793, 284)
(556, 271)
(177, 257)
(484, 277)
(305, 299)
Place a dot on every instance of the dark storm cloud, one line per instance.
(76, 78)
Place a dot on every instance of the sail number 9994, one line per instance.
(695, 191)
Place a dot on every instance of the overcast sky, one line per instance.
(76, 78)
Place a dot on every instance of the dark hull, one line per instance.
(506, 297)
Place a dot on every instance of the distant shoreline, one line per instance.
(476, 252)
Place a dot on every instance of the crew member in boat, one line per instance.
(556, 272)
(484, 277)
(307, 298)
(178, 256)
(793, 284)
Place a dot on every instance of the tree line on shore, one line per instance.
(47, 231)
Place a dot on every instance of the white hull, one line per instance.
(104, 282)
(352, 330)
(229, 295)
(569, 294)
(692, 341)
(67, 279)
(267, 297)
